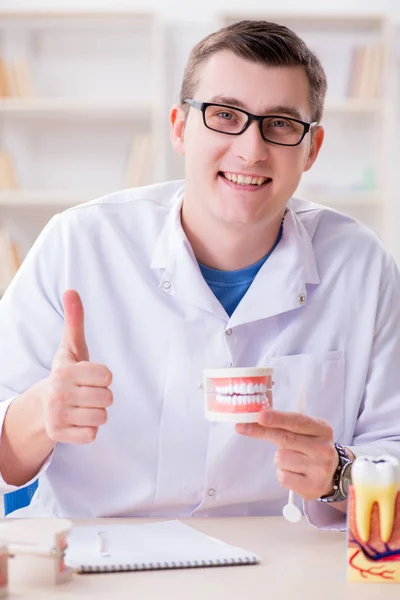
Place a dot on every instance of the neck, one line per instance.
(229, 247)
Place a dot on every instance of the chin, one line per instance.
(238, 219)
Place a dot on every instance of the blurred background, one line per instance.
(86, 87)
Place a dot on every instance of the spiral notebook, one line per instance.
(145, 546)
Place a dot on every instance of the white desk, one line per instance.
(298, 563)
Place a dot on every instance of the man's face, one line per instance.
(212, 157)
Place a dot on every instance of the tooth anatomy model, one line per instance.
(374, 520)
(237, 395)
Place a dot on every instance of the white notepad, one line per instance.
(160, 545)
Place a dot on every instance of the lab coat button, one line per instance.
(200, 385)
(166, 285)
(211, 492)
(302, 298)
(228, 332)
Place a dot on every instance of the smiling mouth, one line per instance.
(245, 181)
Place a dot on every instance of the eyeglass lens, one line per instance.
(229, 120)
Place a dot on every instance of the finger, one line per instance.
(296, 422)
(74, 435)
(74, 332)
(300, 484)
(81, 374)
(84, 417)
(92, 397)
(292, 481)
(291, 460)
(282, 438)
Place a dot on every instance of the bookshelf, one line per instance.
(82, 111)
(60, 107)
(354, 172)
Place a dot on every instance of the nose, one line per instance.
(250, 146)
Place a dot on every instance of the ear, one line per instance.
(316, 143)
(177, 120)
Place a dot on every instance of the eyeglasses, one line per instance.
(275, 129)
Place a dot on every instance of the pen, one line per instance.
(102, 543)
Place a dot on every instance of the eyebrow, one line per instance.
(278, 109)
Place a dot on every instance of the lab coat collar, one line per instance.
(279, 286)
(172, 234)
(281, 283)
(180, 273)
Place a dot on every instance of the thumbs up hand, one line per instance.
(77, 393)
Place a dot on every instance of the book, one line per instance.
(149, 546)
(355, 72)
(8, 179)
(365, 78)
(23, 84)
(15, 79)
(10, 259)
(5, 80)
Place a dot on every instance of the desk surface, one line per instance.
(297, 562)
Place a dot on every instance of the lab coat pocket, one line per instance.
(323, 378)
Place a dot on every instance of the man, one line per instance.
(225, 269)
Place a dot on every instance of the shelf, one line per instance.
(48, 198)
(102, 20)
(354, 106)
(38, 16)
(123, 107)
(74, 197)
(341, 200)
(76, 107)
(311, 20)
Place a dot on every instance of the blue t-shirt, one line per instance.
(230, 286)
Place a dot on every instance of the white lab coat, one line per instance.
(323, 310)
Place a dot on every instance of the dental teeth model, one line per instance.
(32, 551)
(237, 395)
(374, 520)
(3, 570)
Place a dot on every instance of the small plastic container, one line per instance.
(3, 570)
(237, 395)
(37, 548)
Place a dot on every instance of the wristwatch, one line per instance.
(341, 478)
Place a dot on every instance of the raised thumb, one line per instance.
(74, 342)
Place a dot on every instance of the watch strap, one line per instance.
(338, 493)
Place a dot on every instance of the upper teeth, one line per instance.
(241, 388)
(375, 480)
(245, 179)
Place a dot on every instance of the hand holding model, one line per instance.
(306, 458)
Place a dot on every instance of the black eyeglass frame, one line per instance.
(202, 106)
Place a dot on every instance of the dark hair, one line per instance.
(262, 42)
